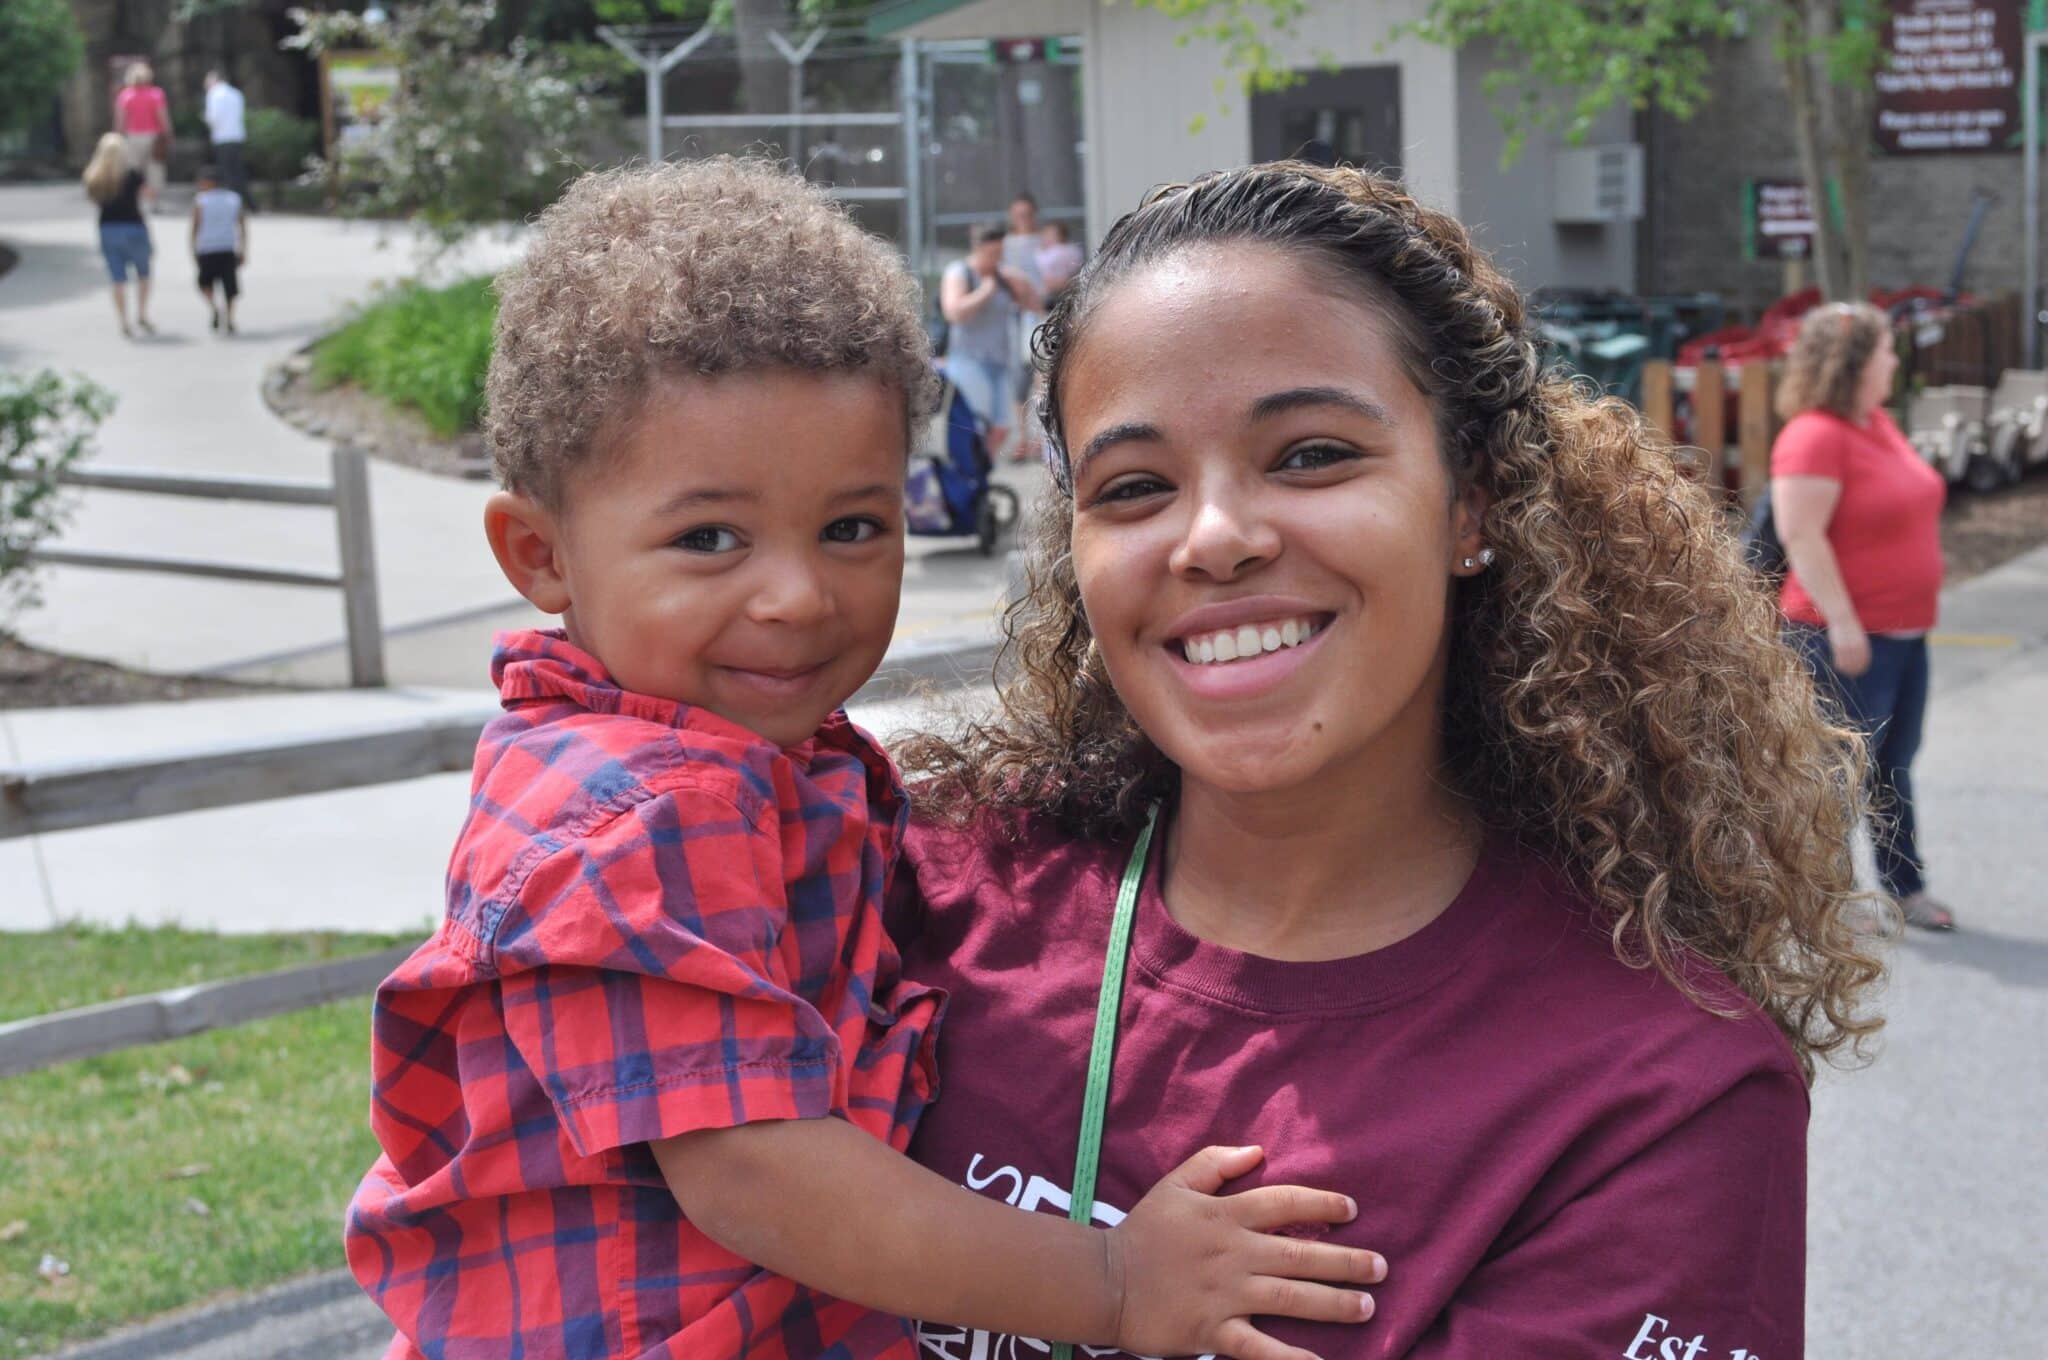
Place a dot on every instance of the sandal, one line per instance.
(1927, 914)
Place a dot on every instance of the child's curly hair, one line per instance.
(696, 267)
(1618, 698)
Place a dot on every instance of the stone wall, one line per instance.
(243, 43)
(1919, 205)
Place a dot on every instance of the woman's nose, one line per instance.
(1227, 535)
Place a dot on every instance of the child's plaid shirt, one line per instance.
(657, 922)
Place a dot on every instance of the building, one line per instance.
(1154, 109)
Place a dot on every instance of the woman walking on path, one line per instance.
(142, 115)
(1859, 513)
(1407, 716)
(118, 188)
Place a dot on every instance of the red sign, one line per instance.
(1951, 77)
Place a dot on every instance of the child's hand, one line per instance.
(1193, 1266)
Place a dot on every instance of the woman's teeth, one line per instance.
(1235, 644)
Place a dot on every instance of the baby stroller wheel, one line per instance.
(985, 526)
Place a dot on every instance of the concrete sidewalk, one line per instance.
(190, 401)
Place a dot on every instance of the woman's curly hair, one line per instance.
(692, 267)
(1618, 698)
(1825, 368)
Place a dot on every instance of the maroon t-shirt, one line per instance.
(1560, 1156)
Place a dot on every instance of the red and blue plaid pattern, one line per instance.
(657, 922)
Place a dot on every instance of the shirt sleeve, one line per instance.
(1808, 447)
(644, 982)
(1695, 1249)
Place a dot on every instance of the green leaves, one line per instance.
(40, 46)
(478, 133)
(47, 423)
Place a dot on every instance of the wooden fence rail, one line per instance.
(348, 495)
(1741, 466)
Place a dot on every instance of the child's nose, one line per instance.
(791, 592)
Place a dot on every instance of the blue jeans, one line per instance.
(1888, 704)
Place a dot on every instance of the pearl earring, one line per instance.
(1485, 559)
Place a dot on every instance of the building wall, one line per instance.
(1153, 109)
(1509, 208)
(1919, 205)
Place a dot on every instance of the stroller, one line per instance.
(948, 493)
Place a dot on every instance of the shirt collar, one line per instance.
(541, 663)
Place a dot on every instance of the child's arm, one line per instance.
(241, 233)
(195, 231)
(826, 1204)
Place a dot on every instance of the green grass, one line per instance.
(426, 348)
(168, 1174)
(53, 970)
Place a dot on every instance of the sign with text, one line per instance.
(1780, 220)
(1950, 81)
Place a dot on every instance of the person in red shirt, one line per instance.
(645, 1091)
(1480, 842)
(1859, 513)
(142, 115)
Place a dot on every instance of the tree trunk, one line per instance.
(1808, 135)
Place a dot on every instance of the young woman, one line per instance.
(1483, 851)
(119, 189)
(1859, 513)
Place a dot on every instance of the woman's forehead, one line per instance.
(1219, 326)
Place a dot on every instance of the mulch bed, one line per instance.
(347, 414)
(33, 678)
(1979, 532)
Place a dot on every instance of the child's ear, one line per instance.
(526, 539)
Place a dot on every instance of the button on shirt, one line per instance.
(657, 922)
(224, 113)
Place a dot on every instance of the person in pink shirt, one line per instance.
(1859, 513)
(142, 115)
(1397, 768)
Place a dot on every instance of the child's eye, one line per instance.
(711, 538)
(853, 530)
(1309, 457)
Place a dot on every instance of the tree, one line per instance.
(477, 133)
(40, 46)
(47, 423)
(1565, 62)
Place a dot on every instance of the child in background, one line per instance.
(220, 244)
(645, 1093)
(1059, 259)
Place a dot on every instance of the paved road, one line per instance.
(190, 401)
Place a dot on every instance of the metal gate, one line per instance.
(924, 139)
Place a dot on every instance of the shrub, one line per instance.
(426, 348)
(477, 134)
(279, 146)
(46, 424)
(40, 46)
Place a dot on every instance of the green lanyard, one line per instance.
(1088, 1154)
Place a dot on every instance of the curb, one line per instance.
(39, 799)
(45, 1040)
(195, 1327)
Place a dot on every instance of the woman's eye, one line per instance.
(1130, 489)
(852, 530)
(1309, 457)
(712, 538)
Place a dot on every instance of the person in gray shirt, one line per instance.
(983, 300)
